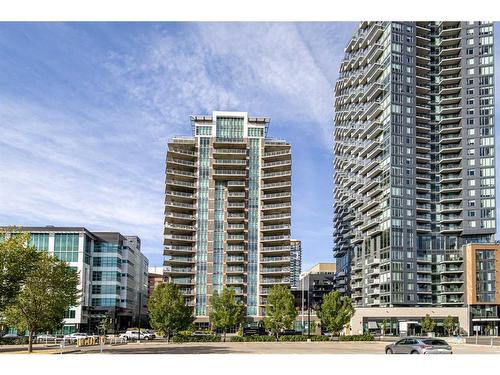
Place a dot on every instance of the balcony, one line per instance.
(271, 175)
(275, 270)
(180, 173)
(178, 237)
(275, 249)
(275, 260)
(235, 249)
(275, 238)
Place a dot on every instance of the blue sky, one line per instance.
(86, 110)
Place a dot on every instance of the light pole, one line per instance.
(308, 315)
(139, 325)
(302, 302)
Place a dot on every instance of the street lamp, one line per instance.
(139, 324)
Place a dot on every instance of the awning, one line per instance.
(412, 322)
(372, 325)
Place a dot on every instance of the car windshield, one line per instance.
(435, 342)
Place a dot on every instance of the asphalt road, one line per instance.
(271, 348)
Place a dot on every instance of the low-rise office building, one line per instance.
(112, 271)
(155, 277)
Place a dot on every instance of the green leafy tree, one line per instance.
(449, 324)
(335, 312)
(16, 259)
(168, 312)
(280, 310)
(428, 324)
(50, 288)
(226, 312)
(104, 325)
(384, 326)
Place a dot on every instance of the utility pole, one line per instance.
(308, 315)
(302, 302)
(140, 310)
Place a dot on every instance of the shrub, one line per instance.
(287, 338)
(259, 338)
(293, 338)
(13, 341)
(211, 338)
(320, 338)
(363, 337)
(185, 333)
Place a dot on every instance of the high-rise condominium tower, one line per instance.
(414, 159)
(228, 211)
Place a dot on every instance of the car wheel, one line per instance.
(389, 351)
(414, 352)
(146, 338)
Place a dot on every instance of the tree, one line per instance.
(104, 325)
(449, 324)
(49, 290)
(225, 311)
(384, 326)
(335, 312)
(168, 312)
(16, 259)
(428, 324)
(280, 310)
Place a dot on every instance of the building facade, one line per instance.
(414, 160)
(482, 292)
(295, 262)
(112, 272)
(155, 277)
(228, 211)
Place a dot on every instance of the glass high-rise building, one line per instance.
(414, 159)
(228, 211)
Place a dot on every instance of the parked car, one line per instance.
(419, 345)
(201, 333)
(45, 337)
(134, 335)
(11, 336)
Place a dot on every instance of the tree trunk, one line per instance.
(277, 336)
(224, 335)
(168, 337)
(30, 342)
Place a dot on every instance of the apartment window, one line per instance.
(470, 61)
(470, 91)
(470, 101)
(470, 81)
(471, 151)
(471, 172)
(470, 42)
(470, 71)
(470, 32)
(470, 51)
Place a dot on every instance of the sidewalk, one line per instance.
(38, 349)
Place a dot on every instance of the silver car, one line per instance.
(419, 345)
